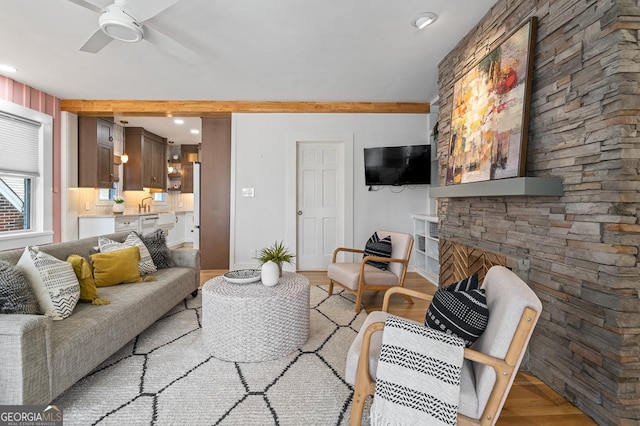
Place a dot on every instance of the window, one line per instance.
(15, 203)
(25, 176)
(108, 194)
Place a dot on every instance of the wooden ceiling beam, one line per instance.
(173, 108)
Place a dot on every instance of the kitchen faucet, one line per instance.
(142, 207)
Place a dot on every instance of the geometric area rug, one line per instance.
(165, 376)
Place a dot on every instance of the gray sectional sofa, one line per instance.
(41, 358)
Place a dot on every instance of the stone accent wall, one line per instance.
(583, 247)
(11, 219)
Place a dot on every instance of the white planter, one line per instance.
(118, 208)
(270, 273)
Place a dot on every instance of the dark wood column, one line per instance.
(215, 156)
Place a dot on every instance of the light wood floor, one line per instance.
(530, 402)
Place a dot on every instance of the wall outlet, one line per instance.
(86, 206)
(180, 204)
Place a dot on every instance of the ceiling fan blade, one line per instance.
(169, 45)
(96, 42)
(147, 9)
(87, 5)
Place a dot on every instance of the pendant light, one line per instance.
(124, 157)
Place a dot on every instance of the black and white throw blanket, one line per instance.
(418, 376)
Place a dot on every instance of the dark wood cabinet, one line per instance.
(95, 152)
(187, 152)
(147, 160)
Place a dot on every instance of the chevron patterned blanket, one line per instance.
(418, 376)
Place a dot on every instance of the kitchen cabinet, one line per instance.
(91, 226)
(175, 234)
(95, 152)
(188, 228)
(147, 155)
(187, 152)
(186, 185)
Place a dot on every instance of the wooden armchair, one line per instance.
(359, 276)
(490, 365)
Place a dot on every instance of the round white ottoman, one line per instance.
(252, 322)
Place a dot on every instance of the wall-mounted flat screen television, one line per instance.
(397, 165)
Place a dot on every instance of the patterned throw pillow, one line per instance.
(16, 295)
(469, 283)
(145, 264)
(53, 281)
(462, 313)
(157, 245)
(378, 247)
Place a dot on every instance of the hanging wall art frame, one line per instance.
(490, 112)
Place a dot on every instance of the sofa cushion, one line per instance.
(16, 295)
(52, 280)
(88, 290)
(145, 263)
(116, 267)
(462, 313)
(157, 245)
(381, 247)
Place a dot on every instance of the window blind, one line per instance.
(19, 145)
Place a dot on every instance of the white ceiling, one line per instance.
(278, 50)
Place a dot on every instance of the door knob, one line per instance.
(299, 212)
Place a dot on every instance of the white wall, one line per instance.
(259, 144)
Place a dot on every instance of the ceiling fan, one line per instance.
(126, 20)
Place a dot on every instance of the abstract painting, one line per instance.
(490, 114)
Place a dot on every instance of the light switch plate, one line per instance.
(247, 192)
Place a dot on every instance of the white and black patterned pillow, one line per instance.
(145, 265)
(53, 281)
(157, 244)
(462, 313)
(378, 247)
(469, 283)
(16, 295)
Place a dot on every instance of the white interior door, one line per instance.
(320, 203)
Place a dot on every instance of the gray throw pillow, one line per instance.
(157, 245)
(16, 295)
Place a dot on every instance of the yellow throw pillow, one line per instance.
(116, 267)
(88, 290)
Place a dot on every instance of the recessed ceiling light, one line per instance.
(8, 68)
(423, 20)
(195, 131)
(178, 121)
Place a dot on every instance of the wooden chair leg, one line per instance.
(330, 287)
(358, 301)
(357, 405)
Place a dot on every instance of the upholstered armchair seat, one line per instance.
(359, 276)
(348, 274)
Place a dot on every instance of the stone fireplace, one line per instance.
(579, 250)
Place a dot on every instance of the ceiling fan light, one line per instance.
(423, 20)
(118, 24)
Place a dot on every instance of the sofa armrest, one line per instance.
(25, 359)
(189, 258)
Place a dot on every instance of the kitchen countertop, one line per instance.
(133, 213)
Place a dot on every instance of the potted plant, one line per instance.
(118, 204)
(276, 253)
